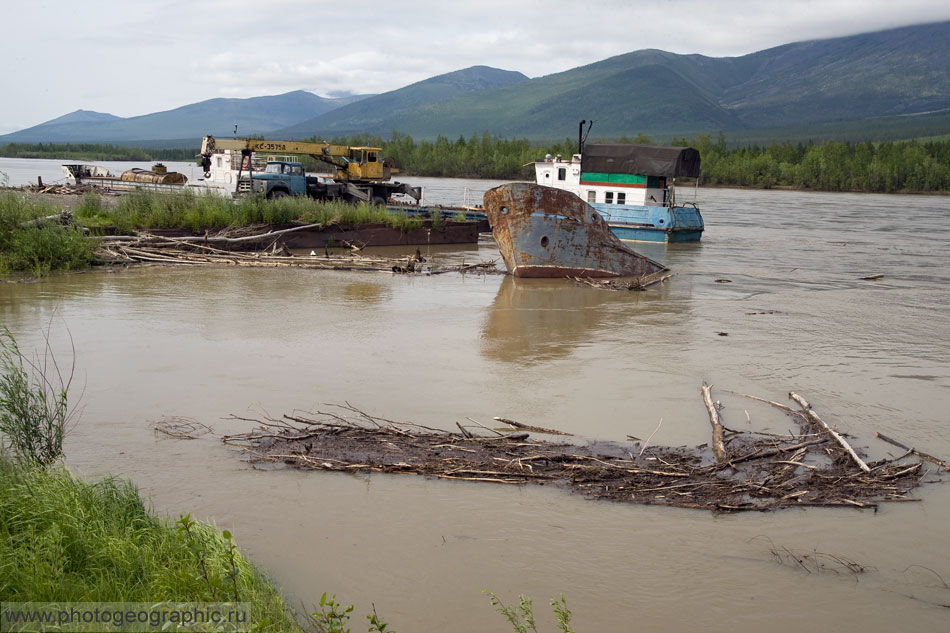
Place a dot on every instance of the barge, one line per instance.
(156, 179)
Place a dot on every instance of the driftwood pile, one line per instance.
(625, 283)
(747, 470)
(59, 189)
(228, 249)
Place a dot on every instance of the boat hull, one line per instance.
(653, 224)
(632, 233)
(547, 232)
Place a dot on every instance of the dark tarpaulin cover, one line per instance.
(643, 160)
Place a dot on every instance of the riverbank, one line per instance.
(67, 540)
(69, 240)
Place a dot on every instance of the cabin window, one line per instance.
(219, 162)
(621, 197)
(592, 196)
(371, 157)
(562, 173)
(609, 197)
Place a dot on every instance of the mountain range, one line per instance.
(898, 79)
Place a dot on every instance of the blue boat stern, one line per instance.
(653, 224)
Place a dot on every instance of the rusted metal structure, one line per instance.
(547, 232)
(159, 174)
(156, 179)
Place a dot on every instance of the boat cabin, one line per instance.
(623, 174)
(631, 186)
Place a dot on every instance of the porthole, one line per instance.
(544, 242)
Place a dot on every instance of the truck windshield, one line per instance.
(273, 168)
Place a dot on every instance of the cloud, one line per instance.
(131, 59)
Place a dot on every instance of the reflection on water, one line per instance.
(532, 321)
(870, 356)
(366, 293)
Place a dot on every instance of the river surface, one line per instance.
(869, 355)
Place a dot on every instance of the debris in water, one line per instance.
(752, 470)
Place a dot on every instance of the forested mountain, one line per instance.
(883, 76)
(376, 112)
(887, 84)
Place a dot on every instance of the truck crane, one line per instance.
(360, 173)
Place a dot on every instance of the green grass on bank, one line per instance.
(197, 212)
(65, 540)
(38, 250)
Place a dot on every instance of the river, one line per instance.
(794, 316)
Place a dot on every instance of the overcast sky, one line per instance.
(131, 58)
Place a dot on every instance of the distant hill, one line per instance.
(875, 80)
(83, 116)
(373, 113)
(887, 84)
(256, 115)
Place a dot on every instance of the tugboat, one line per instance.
(631, 186)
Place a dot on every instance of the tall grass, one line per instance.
(34, 402)
(65, 540)
(38, 249)
(199, 211)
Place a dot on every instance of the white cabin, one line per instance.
(622, 189)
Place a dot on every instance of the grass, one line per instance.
(34, 402)
(39, 250)
(65, 540)
(198, 212)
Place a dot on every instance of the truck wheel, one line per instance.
(279, 193)
(379, 200)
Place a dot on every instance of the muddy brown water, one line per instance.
(869, 355)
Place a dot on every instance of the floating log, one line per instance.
(914, 451)
(814, 417)
(719, 448)
(528, 427)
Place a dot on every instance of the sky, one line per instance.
(132, 58)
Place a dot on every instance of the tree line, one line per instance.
(913, 166)
(92, 151)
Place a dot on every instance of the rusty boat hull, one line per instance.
(547, 232)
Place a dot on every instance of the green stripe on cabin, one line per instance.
(630, 179)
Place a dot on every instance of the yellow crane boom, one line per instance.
(353, 164)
